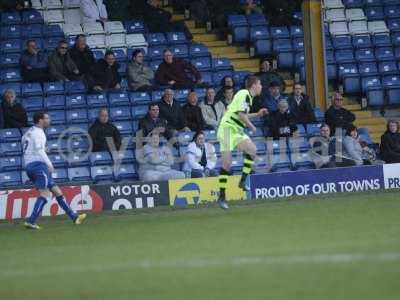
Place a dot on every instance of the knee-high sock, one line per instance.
(248, 163)
(66, 207)
(223, 182)
(37, 209)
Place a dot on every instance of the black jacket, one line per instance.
(390, 147)
(14, 116)
(156, 19)
(303, 112)
(105, 76)
(147, 124)
(282, 125)
(193, 117)
(84, 60)
(173, 114)
(98, 132)
(338, 118)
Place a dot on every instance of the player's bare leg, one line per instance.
(76, 218)
(249, 150)
(41, 201)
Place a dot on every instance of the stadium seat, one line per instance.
(313, 129)
(391, 80)
(8, 179)
(348, 68)
(54, 102)
(240, 76)
(368, 68)
(393, 25)
(393, 95)
(134, 26)
(218, 76)
(10, 75)
(375, 96)
(335, 15)
(75, 101)
(392, 11)
(120, 113)
(388, 67)
(207, 78)
(10, 149)
(10, 135)
(11, 46)
(72, 29)
(58, 160)
(96, 41)
(298, 44)
(338, 28)
(180, 50)
(365, 55)
(259, 33)
(112, 27)
(136, 41)
(32, 31)
(156, 39)
(362, 41)
(139, 97)
(57, 117)
(344, 56)
(342, 42)
(102, 174)
(72, 16)
(280, 162)
(53, 88)
(100, 158)
(239, 28)
(257, 20)
(31, 89)
(9, 60)
(174, 38)
(77, 130)
(156, 52)
(370, 82)
(202, 63)
(76, 116)
(298, 145)
(355, 14)
(262, 47)
(10, 164)
(184, 138)
(374, 13)
(33, 103)
(198, 50)
(118, 98)
(79, 174)
(55, 131)
(97, 100)
(376, 27)
(351, 83)
(382, 40)
(125, 172)
(302, 161)
(220, 64)
(116, 40)
(139, 111)
(353, 3)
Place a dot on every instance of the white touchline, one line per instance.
(204, 263)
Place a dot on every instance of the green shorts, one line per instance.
(229, 137)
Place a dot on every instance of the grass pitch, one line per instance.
(343, 247)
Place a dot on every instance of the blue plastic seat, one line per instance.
(10, 32)
(365, 55)
(381, 40)
(396, 39)
(32, 31)
(344, 56)
(296, 31)
(392, 11)
(298, 44)
(10, 18)
(134, 26)
(57, 146)
(182, 95)
(97, 100)
(368, 68)
(370, 82)
(388, 67)
(125, 172)
(374, 13)
(157, 95)
(351, 83)
(279, 32)
(100, 158)
(156, 52)
(10, 164)
(262, 47)
(79, 174)
(207, 78)
(54, 102)
(302, 161)
(375, 96)
(361, 41)
(118, 98)
(78, 158)
(352, 3)
(102, 173)
(60, 175)
(32, 17)
(120, 55)
(393, 95)
(348, 68)
(393, 25)
(124, 127)
(55, 131)
(174, 38)
(313, 129)
(156, 39)
(78, 129)
(123, 157)
(384, 53)
(122, 68)
(76, 116)
(198, 50)
(75, 101)
(8, 179)
(120, 113)
(239, 28)
(10, 75)
(181, 51)
(10, 135)
(139, 97)
(33, 103)
(280, 162)
(31, 89)
(391, 80)
(219, 64)
(92, 114)
(75, 87)
(53, 30)
(319, 115)
(257, 20)
(53, 88)
(11, 46)
(11, 149)
(58, 160)
(139, 111)
(299, 59)
(259, 33)
(202, 63)
(342, 42)
(9, 60)
(57, 117)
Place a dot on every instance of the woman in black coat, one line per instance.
(390, 143)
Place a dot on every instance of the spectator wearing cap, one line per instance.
(82, 55)
(13, 113)
(300, 106)
(192, 115)
(61, 65)
(177, 72)
(267, 75)
(337, 117)
(139, 75)
(200, 158)
(273, 97)
(105, 73)
(283, 122)
(34, 64)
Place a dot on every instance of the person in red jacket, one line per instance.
(177, 72)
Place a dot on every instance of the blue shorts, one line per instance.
(39, 174)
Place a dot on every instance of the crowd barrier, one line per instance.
(16, 204)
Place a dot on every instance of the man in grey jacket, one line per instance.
(61, 65)
(139, 75)
(212, 111)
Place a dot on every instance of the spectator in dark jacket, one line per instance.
(14, 114)
(300, 106)
(118, 10)
(171, 111)
(101, 130)
(139, 75)
(34, 64)
(227, 97)
(12, 5)
(267, 75)
(338, 117)
(274, 96)
(192, 113)
(61, 65)
(177, 72)
(390, 143)
(226, 82)
(283, 122)
(152, 121)
(105, 73)
(1, 118)
(82, 55)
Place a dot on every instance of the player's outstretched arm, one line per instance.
(245, 119)
(261, 113)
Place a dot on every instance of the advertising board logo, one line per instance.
(189, 193)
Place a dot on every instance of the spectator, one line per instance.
(102, 131)
(93, 11)
(323, 148)
(171, 111)
(280, 12)
(220, 10)
(61, 65)
(273, 97)
(226, 82)
(192, 115)
(160, 20)
(105, 73)
(34, 64)
(251, 7)
(15, 5)
(82, 55)
(155, 162)
(283, 122)
(300, 106)
(200, 158)
(338, 117)
(118, 10)
(390, 143)
(152, 121)
(212, 111)
(267, 76)
(139, 75)
(1, 118)
(14, 114)
(229, 92)
(177, 72)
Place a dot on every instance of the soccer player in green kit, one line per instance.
(231, 135)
